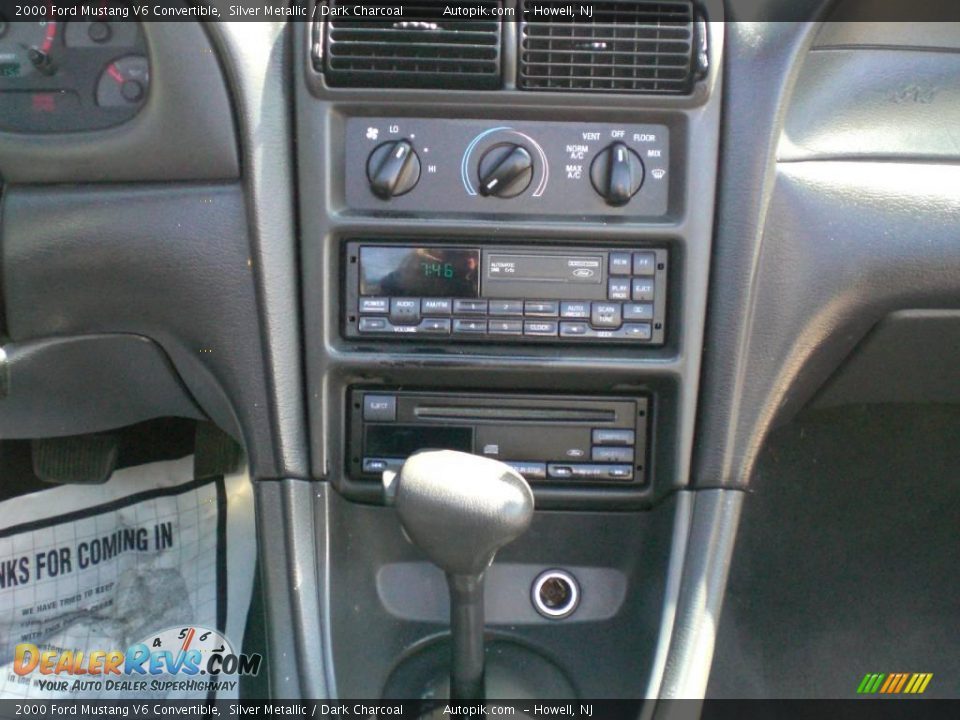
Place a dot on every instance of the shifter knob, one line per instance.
(460, 509)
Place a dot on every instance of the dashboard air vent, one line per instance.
(626, 46)
(414, 49)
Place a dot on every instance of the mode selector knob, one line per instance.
(505, 170)
(393, 168)
(617, 174)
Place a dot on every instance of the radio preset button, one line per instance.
(644, 263)
(470, 327)
(405, 311)
(506, 327)
(575, 310)
(469, 307)
(638, 311)
(435, 306)
(379, 408)
(542, 308)
(373, 324)
(613, 437)
(612, 454)
(374, 305)
(620, 263)
(642, 289)
(618, 289)
(540, 327)
(506, 307)
(606, 315)
(435, 326)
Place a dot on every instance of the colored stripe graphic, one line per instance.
(894, 683)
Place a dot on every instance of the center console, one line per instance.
(519, 274)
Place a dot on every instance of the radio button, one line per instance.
(435, 326)
(638, 311)
(620, 263)
(540, 328)
(405, 311)
(469, 307)
(374, 466)
(606, 315)
(575, 310)
(584, 471)
(542, 308)
(643, 289)
(620, 472)
(506, 307)
(637, 331)
(574, 329)
(379, 408)
(374, 305)
(373, 324)
(469, 327)
(618, 289)
(644, 263)
(435, 306)
(613, 437)
(506, 327)
(530, 470)
(612, 454)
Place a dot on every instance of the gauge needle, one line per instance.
(114, 73)
(189, 638)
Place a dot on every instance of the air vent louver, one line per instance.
(627, 46)
(415, 49)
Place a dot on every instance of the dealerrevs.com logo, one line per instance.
(177, 659)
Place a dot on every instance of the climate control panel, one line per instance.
(524, 168)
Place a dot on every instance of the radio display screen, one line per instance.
(420, 272)
(401, 441)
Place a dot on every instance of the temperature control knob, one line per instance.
(505, 171)
(617, 174)
(393, 168)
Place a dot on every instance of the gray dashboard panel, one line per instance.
(845, 244)
(891, 103)
(89, 383)
(184, 132)
(171, 263)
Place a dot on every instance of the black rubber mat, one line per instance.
(846, 562)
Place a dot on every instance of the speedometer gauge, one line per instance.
(26, 48)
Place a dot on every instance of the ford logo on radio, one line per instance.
(583, 272)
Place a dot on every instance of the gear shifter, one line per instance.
(460, 509)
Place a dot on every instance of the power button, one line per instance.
(379, 408)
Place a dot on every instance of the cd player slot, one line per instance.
(515, 414)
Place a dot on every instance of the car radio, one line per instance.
(510, 293)
(546, 438)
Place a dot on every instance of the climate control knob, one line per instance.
(393, 169)
(617, 174)
(505, 170)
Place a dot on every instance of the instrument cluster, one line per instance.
(71, 76)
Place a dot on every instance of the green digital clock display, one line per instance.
(419, 272)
